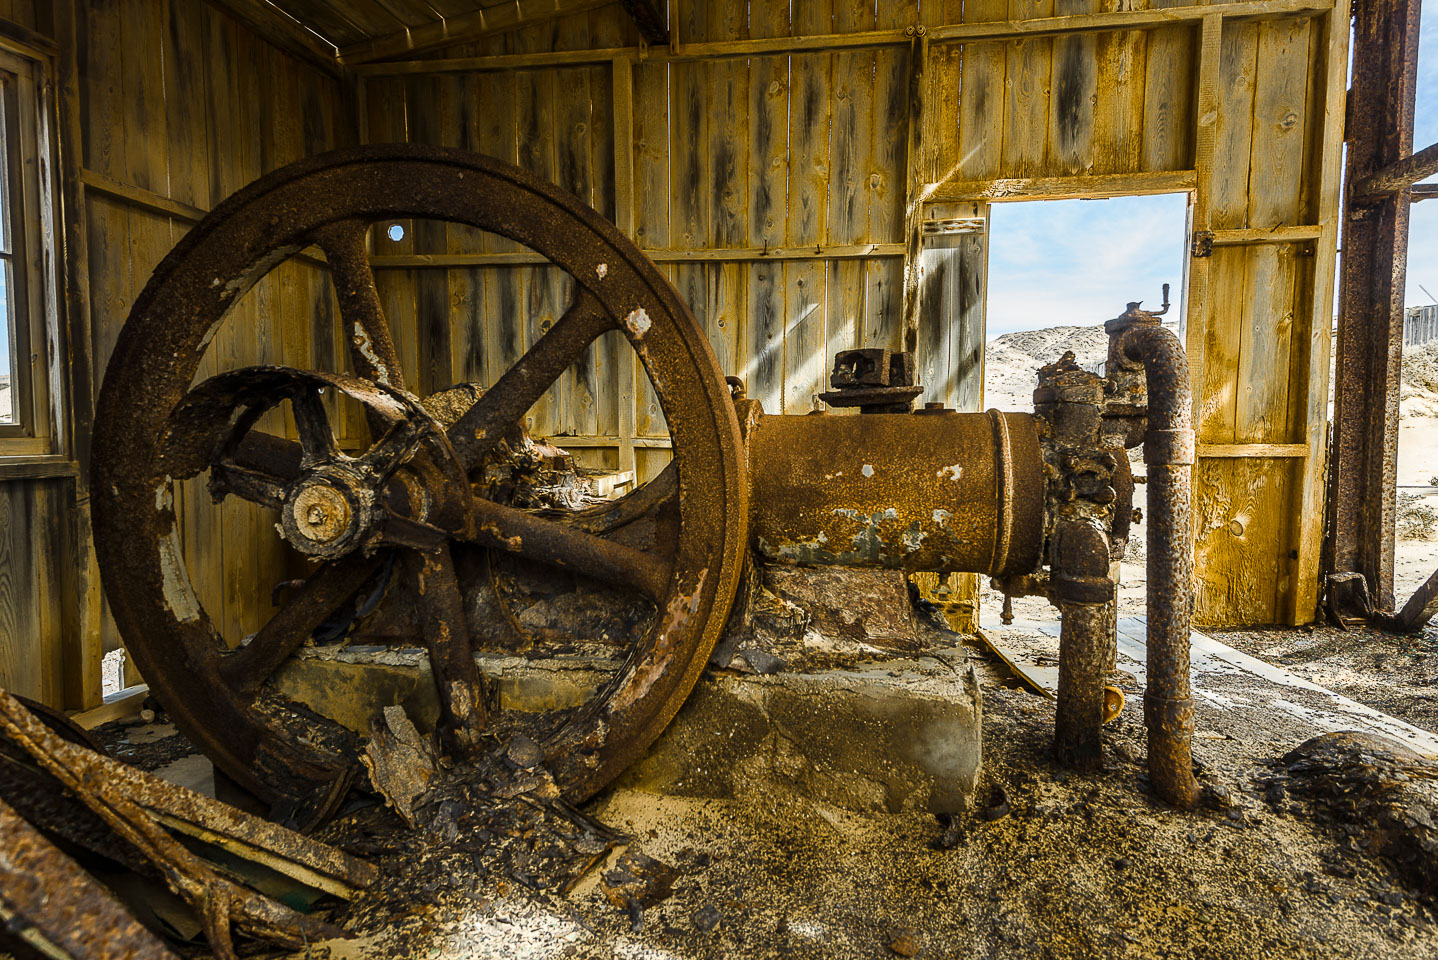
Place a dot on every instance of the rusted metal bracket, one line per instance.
(1397, 176)
(1202, 244)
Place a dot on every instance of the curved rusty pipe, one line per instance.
(1168, 452)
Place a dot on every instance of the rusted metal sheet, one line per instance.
(52, 906)
(1362, 503)
(954, 492)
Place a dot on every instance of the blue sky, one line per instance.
(1423, 221)
(1080, 261)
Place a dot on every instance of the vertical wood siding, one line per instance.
(809, 149)
(183, 101)
(793, 151)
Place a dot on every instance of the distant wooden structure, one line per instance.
(1420, 325)
(809, 184)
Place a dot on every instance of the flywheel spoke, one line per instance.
(463, 713)
(247, 667)
(485, 423)
(557, 544)
(267, 453)
(392, 449)
(256, 486)
(317, 437)
(371, 345)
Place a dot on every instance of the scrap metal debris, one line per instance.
(1383, 795)
(638, 881)
(496, 817)
(400, 760)
(189, 841)
(52, 906)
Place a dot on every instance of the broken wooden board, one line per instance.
(1235, 684)
(1036, 678)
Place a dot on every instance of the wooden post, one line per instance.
(1303, 598)
(623, 93)
(1196, 323)
(913, 192)
(81, 618)
(1363, 491)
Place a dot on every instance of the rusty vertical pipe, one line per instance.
(1168, 452)
(1078, 724)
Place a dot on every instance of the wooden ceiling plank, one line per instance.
(412, 13)
(370, 17)
(282, 31)
(457, 8)
(325, 18)
(516, 13)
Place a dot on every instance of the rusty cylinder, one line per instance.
(948, 492)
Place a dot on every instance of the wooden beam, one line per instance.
(120, 705)
(626, 396)
(1257, 450)
(82, 618)
(1396, 176)
(38, 468)
(587, 442)
(1270, 235)
(1060, 188)
(164, 206)
(849, 251)
(950, 34)
(649, 20)
(1205, 141)
(914, 168)
(1423, 191)
(1309, 504)
(140, 197)
(285, 32)
(465, 29)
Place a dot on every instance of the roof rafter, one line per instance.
(649, 19)
(471, 26)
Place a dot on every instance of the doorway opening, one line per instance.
(1059, 268)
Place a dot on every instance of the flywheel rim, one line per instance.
(161, 345)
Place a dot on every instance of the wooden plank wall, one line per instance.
(35, 556)
(780, 152)
(183, 103)
(740, 166)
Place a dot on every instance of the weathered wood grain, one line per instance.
(806, 364)
(769, 100)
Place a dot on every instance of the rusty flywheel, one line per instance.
(405, 500)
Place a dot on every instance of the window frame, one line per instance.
(27, 110)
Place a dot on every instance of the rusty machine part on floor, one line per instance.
(1040, 501)
(55, 787)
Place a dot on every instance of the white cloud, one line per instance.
(1080, 261)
